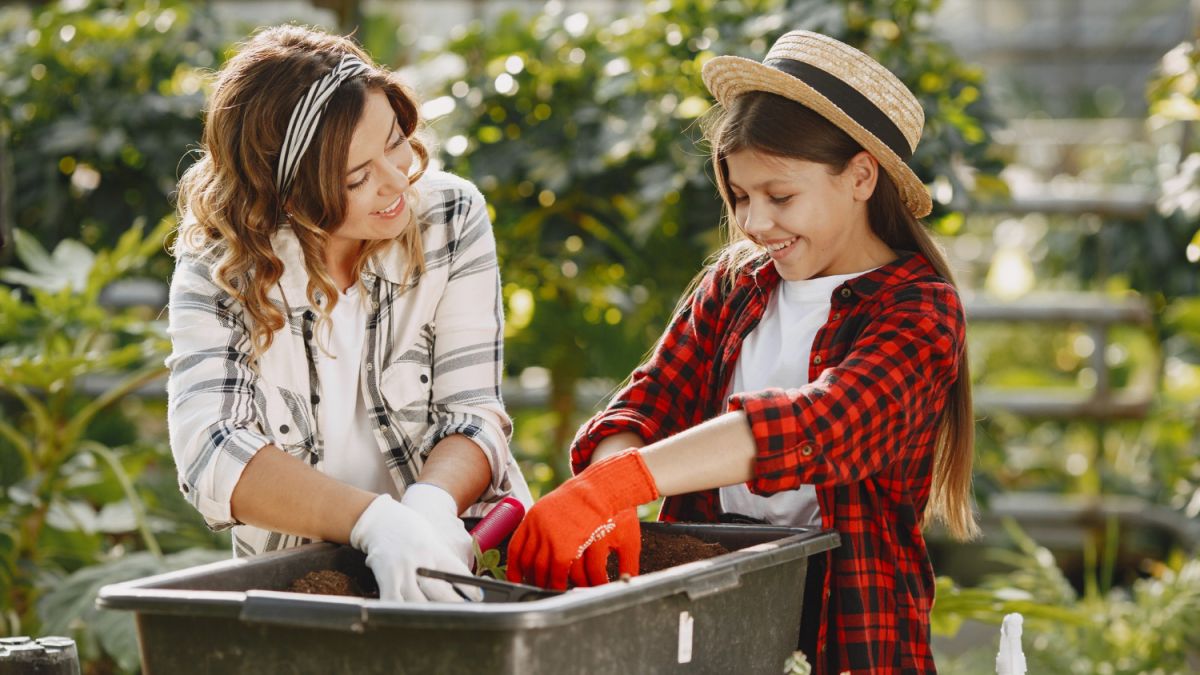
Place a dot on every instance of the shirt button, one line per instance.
(370, 367)
(308, 335)
(817, 359)
(315, 399)
(312, 459)
(846, 292)
(383, 428)
(184, 487)
(283, 428)
(424, 378)
(837, 316)
(806, 450)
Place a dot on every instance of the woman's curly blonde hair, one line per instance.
(228, 203)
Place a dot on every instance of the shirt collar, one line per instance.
(388, 263)
(908, 266)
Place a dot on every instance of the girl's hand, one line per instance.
(626, 540)
(581, 512)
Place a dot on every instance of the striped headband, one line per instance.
(307, 117)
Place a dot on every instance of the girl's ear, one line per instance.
(863, 171)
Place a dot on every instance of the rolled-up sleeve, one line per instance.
(858, 417)
(212, 397)
(468, 354)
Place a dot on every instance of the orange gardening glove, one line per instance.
(582, 511)
(626, 540)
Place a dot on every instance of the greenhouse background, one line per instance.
(1060, 148)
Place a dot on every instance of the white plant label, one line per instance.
(685, 637)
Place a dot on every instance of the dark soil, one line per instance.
(327, 582)
(659, 552)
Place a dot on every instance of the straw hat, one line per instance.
(847, 87)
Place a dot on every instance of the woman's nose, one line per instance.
(395, 179)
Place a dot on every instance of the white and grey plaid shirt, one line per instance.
(431, 364)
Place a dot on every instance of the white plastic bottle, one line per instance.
(1011, 659)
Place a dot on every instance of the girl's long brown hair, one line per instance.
(778, 126)
(228, 203)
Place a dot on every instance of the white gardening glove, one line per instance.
(398, 540)
(440, 509)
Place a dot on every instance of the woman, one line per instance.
(335, 320)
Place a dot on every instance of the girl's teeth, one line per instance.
(780, 246)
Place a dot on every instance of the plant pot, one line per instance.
(50, 655)
(738, 612)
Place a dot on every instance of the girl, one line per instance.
(335, 321)
(816, 376)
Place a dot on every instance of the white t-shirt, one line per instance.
(777, 354)
(351, 451)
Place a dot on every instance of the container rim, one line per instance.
(695, 579)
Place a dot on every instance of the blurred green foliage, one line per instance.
(107, 639)
(81, 483)
(1174, 97)
(1152, 627)
(1157, 255)
(99, 100)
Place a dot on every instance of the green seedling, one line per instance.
(488, 563)
(797, 664)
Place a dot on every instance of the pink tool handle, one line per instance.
(500, 522)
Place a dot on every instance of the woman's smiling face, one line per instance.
(377, 167)
(812, 222)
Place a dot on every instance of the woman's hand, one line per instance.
(439, 508)
(586, 509)
(398, 541)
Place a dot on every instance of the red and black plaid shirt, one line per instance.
(862, 431)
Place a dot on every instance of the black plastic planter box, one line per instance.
(736, 613)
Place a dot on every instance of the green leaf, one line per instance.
(30, 252)
(68, 267)
(69, 608)
(488, 562)
(21, 278)
(797, 664)
(73, 262)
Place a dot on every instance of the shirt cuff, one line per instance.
(232, 456)
(782, 442)
(487, 434)
(609, 424)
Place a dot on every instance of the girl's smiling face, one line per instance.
(812, 222)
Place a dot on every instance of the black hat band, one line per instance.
(853, 103)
